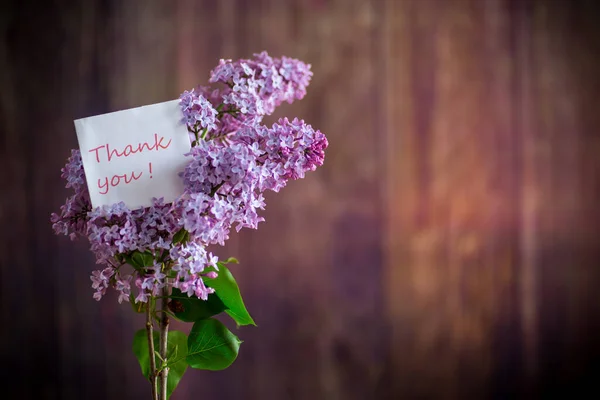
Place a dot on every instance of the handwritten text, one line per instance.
(129, 149)
(105, 152)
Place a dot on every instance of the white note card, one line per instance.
(134, 155)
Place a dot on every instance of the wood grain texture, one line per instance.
(448, 248)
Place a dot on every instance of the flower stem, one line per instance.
(150, 336)
(164, 331)
(215, 189)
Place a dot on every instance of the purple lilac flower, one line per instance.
(73, 172)
(191, 260)
(197, 111)
(123, 286)
(143, 295)
(153, 281)
(101, 281)
(209, 219)
(214, 165)
(229, 119)
(261, 84)
(115, 229)
(72, 218)
(287, 150)
(296, 77)
(234, 159)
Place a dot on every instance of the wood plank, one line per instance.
(447, 249)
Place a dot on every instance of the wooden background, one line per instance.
(447, 249)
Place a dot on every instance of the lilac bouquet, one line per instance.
(156, 257)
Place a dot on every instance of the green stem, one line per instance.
(164, 331)
(196, 134)
(150, 336)
(233, 112)
(203, 135)
(215, 188)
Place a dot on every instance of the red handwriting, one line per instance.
(116, 180)
(129, 149)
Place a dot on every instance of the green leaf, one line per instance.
(177, 349)
(191, 309)
(182, 236)
(211, 345)
(139, 260)
(145, 259)
(172, 274)
(231, 260)
(228, 291)
(140, 349)
(129, 260)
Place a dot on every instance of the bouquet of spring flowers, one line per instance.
(156, 257)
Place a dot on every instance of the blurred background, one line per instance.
(448, 248)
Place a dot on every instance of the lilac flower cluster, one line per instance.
(198, 111)
(73, 214)
(116, 230)
(234, 158)
(285, 151)
(259, 85)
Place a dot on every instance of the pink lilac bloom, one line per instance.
(123, 286)
(191, 260)
(73, 214)
(143, 295)
(228, 119)
(101, 281)
(259, 85)
(198, 112)
(286, 151)
(233, 160)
